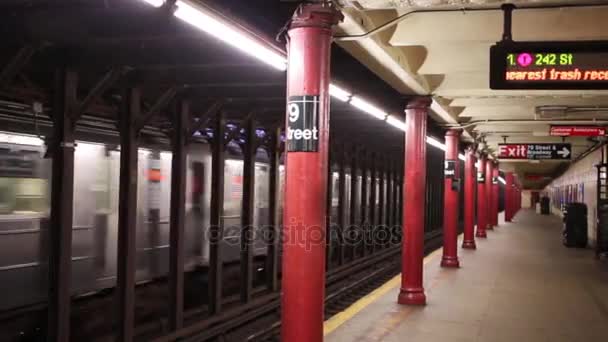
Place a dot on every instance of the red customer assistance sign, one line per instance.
(577, 131)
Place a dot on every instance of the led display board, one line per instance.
(549, 65)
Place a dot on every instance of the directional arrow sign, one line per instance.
(535, 151)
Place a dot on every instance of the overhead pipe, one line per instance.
(404, 16)
(528, 122)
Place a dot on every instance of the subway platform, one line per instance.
(520, 285)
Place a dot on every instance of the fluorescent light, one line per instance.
(435, 143)
(20, 139)
(393, 121)
(339, 93)
(195, 16)
(368, 108)
(502, 180)
(462, 157)
(155, 3)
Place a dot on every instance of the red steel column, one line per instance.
(495, 190)
(489, 211)
(308, 76)
(482, 208)
(509, 197)
(450, 201)
(469, 199)
(414, 201)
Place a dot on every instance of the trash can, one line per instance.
(575, 225)
(545, 206)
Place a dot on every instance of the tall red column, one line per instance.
(509, 205)
(414, 201)
(489, 211)
(495, 190)
(450, 200)
(482, 208)
(469, 199)
(308, 76)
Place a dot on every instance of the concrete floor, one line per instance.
(520, 285)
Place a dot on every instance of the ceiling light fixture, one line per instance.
(194, 15)
(155, 3)
(339, 93)
(393, 121)
(436, 143)
(367, 107)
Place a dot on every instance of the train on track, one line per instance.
(25, 174)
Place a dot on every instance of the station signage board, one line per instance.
(577, 131)
(535, 151)
(549, 65)
(303, 123)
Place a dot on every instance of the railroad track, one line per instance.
(348, 290)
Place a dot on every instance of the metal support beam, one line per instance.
(414, 201)
(127, 213)
(353, 200)
(303, 269)
(216, 230)
(247, 210)
(272, 260)
(381, 219)
(450, 200)
(177, 221)
(342, 205)
(329, 232)
(62, 204)
(482, 216)
(201, 120)
(363, 220)
(373, 214)
(12, 68)
(100, 87)
(157, 107)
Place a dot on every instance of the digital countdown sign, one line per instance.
(549, 65)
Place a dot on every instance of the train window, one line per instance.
(23, 182)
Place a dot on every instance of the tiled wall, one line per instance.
(578, 184)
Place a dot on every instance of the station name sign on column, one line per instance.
(535, 151)
(303, 123)
(549, 65)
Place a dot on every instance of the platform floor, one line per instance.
(520, 285)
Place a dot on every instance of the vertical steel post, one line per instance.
(373, 208)
(177, 218)
(450, 200)
(489, 187)
(469, 199)
(272, 260)
(381, 218)
(364, 227)
(482, 198)
(328, 210)
(342, 206)
(414, 202)
(495, 189)
(216, 229)
(127, 213)
(352, 228)
(308, 76)
(247, 210)
(509, 196)
(62, 204)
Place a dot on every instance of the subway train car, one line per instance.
(25, 176)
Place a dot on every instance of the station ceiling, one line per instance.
(446, 54)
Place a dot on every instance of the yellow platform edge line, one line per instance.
(342, 317)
